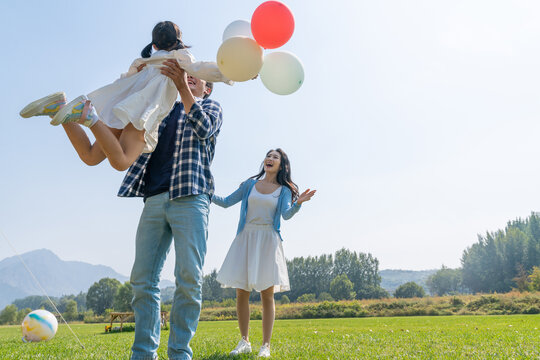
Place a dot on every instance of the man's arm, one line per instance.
(206, 119)
(179, 77)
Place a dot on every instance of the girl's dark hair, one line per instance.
(166, 36)
(283, 175)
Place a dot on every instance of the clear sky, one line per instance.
(418, 124)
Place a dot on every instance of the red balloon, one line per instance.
(272, 24)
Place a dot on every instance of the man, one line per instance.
(176, 184)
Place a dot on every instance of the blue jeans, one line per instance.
(186, 220)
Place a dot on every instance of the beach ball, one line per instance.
(237, 28)
(272, 24)
(282, 73)
(240, 58)
(39, 325)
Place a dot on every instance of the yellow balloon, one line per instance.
(240, 58)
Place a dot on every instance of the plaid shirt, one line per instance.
(193, 153)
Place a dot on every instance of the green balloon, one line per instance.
(282, 73)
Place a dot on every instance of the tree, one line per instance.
(341, 288)
(522, 279)
(8, 315)
(71, 310)
(311, 275)
(534, 279)
(101, 295)
(362, 270)
(211, 288)
(284, 300)
(409, 290)
(32, 302)
(492, 264)
(445, 281)
(122, 299)
(22, 314)
(81, 301)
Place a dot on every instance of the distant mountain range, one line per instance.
(58, 277)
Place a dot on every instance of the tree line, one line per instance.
(344, 275)
(499, 261)
(104, 295)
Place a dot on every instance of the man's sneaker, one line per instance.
(264, 351)
(48, 105)
(74, 111)
(243, 347)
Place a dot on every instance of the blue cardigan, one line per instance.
(284, 206)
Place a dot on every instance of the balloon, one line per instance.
(282, 73)
(240, 58)
(237, 28)
(39, 325)
(272, 24)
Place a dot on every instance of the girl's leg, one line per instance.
(242, 310)
(90, 154)
(269, 313)
(123, 151)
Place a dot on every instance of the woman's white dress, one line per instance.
(255, 259)
(145, 98)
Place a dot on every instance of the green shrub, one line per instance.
(324, 296)
(306, 298)
(532, 310)
(409, 290)
(455, 301)
(255, 315)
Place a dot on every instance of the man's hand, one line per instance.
(172, 70)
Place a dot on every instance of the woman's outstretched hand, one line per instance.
(305, 196)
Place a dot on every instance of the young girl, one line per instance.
(135, 103)
(255, 259)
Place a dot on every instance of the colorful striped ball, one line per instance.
(39, 325)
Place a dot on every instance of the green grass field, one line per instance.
(441, 337)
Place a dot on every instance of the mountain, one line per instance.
(392, 279)
(58, 277)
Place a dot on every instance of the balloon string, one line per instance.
(41, 287)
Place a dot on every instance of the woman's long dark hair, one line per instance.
(166, 35)
(283, 175)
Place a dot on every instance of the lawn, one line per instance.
(439, 337)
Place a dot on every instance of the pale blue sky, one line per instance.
(418, 124)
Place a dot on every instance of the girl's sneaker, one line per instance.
(243, 347)
(264, 351)
(48, 106)
(75, 111)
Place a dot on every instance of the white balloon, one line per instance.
(238, 28)
(39, 325)
(282, 72)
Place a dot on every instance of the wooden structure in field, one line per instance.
(123, 316)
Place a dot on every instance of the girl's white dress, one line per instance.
(145, 98)
(255, 259)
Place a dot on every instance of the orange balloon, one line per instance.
(272, 24)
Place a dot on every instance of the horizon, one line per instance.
(118, 272)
